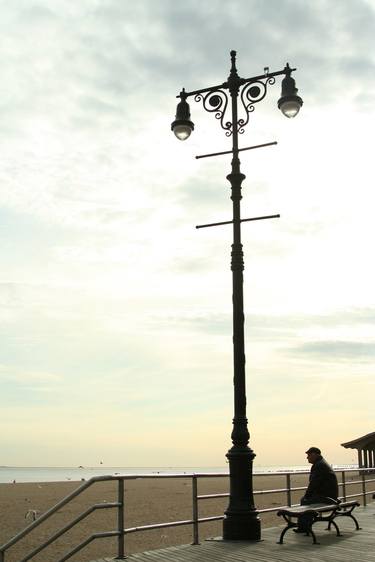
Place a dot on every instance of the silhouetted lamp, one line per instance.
(182, 126)
(289, 103)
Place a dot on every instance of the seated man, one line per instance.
(322, 488)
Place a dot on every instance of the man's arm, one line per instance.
(318, 476)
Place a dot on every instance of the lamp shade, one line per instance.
(289, 103)
(182, 126)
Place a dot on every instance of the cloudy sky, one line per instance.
(115, 311)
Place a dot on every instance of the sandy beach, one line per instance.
(147, 501)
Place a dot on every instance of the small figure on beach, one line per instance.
(32, 513)
(322, 488)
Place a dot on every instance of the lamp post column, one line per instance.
(241, 519)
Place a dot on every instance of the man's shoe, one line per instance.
(300, 530)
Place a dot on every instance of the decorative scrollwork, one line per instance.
(252, 93)
(216, 102)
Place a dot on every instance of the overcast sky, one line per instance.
(116, 337)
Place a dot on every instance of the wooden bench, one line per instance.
(319, 512)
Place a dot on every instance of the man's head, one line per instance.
(313, 454)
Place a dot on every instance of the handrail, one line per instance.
(51, 511)
(84, 543)
(120, 505)
(58, 534)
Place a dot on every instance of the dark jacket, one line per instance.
(322, 481)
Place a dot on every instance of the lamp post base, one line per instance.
(242, 527)
(241, 520)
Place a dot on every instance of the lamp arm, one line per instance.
(268, 75)
(242, 81)
(203, 90)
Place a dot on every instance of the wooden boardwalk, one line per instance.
(353, 546)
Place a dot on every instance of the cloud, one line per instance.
(209, 323)
(29, 376)
(337, 350)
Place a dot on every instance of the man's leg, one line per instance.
(305, 520)
(304, 523)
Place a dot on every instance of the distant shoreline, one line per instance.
(18, 474)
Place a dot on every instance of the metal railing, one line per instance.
(194, 521)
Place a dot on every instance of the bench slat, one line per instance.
(312, 508)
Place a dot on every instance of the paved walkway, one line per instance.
(353, 546)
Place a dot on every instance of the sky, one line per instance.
(116, 336)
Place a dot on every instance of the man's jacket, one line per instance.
(322, 481)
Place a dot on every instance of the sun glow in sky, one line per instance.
(116, 338)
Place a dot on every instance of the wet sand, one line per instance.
(147, 501)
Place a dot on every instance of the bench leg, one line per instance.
(281, 539)
(332, 522)
(355, 521)
(349, 514)
(293, 525)
(313, 536)
(290, 525)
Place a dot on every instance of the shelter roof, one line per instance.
(361, 442)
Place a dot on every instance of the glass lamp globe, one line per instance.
(290, 108)
(182, 130)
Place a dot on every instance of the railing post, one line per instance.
(343, 485)
(364, 488)
(121, 521)
(195, 510)
(288, 492)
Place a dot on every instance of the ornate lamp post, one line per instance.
(241, 521)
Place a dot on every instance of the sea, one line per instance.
(10, 474)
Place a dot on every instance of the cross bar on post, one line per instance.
(241, 220)
(238, 150)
